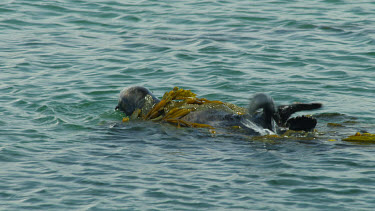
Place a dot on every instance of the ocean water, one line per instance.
(64, 62)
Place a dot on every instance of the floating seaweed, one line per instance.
(361, 138)
(334, 125)
(125, 119)
(288, 135)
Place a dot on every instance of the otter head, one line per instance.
(133, 98)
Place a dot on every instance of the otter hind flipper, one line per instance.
(306, 123)
(285, 111)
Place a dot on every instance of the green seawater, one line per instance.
(63, 64)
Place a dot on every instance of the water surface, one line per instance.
(63, 64)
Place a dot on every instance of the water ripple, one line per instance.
(63, 64)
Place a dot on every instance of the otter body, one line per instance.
(262, 116)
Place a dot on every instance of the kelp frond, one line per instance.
(361, 138)
(176, 104)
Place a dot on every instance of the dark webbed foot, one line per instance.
(285, 111)
(306, 123)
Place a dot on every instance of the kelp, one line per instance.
(288, 135)
(361, 138)
(178, 103)
(167, 102)
(334, 125)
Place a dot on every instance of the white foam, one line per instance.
(262, 131)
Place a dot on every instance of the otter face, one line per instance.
(133, 98)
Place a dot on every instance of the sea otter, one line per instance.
(262, 116)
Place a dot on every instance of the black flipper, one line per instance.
(305, 123)
(285, 111)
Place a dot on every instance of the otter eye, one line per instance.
(116, 109)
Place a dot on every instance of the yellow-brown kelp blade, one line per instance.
(171, 108)
(361, 138)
